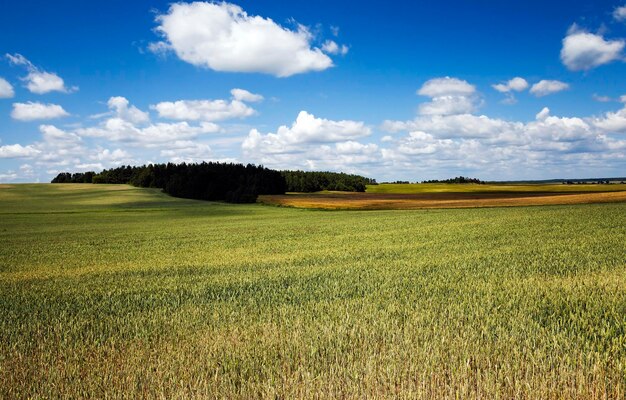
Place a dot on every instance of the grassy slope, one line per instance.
(112, 290)
(489, 188)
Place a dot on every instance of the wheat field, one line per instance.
(110, 291)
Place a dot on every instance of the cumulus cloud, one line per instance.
(446, 86)
(612, 121)
(444, 145)
(18, 151)
(455, 126)
(584, 50)
(121, 108)
(63, 149)
(516, 84)
(58, 138)
(118, 130)
(449, 96)
(210, 110)
(223, 37)
(306, 129)
(244, 95)
(111, 156)
(203, 110)
(546, 87)
(187, 151)
(448, 105)
(331, 47)
(34, 110)
(543, 114)
(313, 143)
(37, 80)
(6, 89)
(620, 13)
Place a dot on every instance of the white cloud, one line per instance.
(601, 99)
(446, 86)
(119, 106)
(223, 37)
(188, 151)
(9, 176)
(58, 138)
(111, 156)
(448, 96)
(352, 147)
(516, 84)
(203, 110)
(244, 95)
(118, 130)
(38, 81)
(313, 143)
(612, 121)
(306, 129)
(57, 148)
(34, 110)
(45, 82)
(456, 126)
(546, 87)
(18, 151)
(440, 146)
(543, 114)
(127, 123)
(448, 105)
(331, 47)
(620, 13)
(6, 89)
(89, 166)
(583, 50)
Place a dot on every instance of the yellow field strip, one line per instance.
(407, 202)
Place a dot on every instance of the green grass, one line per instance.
(402, 188)
(118, 292)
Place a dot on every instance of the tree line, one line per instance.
(78, 177)
(458, 179)
(233, 183)
(309, 181)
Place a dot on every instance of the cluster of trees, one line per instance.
(458, 179)
(598, 182)
(301, 181)
(78, 177)
(234, 183)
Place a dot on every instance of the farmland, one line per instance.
(429, 195)
(116, 291)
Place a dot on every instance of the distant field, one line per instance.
(489, 188)
(417, 196)
(110, 291)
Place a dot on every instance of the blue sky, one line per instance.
(407, 90)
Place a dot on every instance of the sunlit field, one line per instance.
(111, 291)
(438, 195)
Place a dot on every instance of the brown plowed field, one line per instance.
(378, 201)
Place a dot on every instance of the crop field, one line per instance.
(419, 196)
(111, 291)
(415, 188)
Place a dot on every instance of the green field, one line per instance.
(118, 292)
(415, 188)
